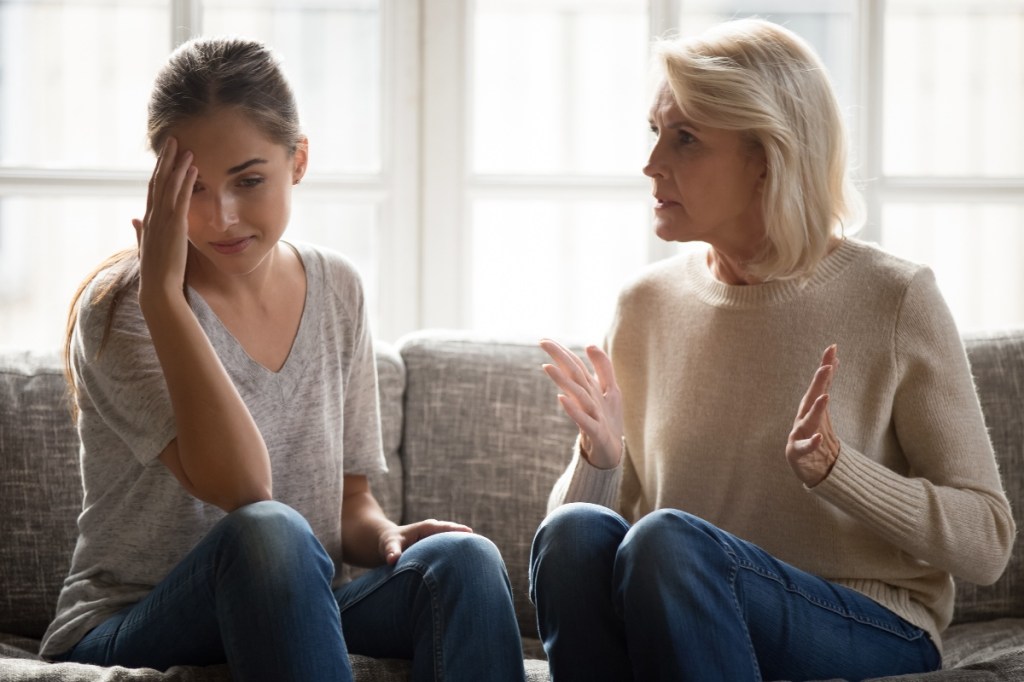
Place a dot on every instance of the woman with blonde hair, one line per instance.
(726, 516)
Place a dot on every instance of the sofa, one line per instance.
(472, 433)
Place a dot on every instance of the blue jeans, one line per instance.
(675, 598)
(256, 593)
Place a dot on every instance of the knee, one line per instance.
(578, 531)
(272, 538)
(460, 568)
(667, 542)
(574, 541)
(457, 558)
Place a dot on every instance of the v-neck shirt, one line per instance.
(319, 416)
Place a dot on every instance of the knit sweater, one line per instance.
(711, 377)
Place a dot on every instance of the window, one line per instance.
(950, 160)
(75, 77)
(480, 160)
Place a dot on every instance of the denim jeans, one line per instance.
(256, 593)
(675, 598)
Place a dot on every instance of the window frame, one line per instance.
(389, 188)
(425, 188)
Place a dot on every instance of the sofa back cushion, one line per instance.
(41, 489)
(484, 442)
(997, 362)
(387, 488)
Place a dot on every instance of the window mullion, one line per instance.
(186, 20)
(665, 18)
(444, 268)
(868, 118)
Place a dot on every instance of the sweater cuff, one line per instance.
(875, 492)
(590, 484)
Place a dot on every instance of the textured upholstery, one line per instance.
(997, 361)
(473, 433)
(484, 442)
(40, 491)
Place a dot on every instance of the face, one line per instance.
(241, 200)
(706, 181)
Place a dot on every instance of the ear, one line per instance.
(300, 159)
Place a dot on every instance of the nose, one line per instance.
(654, 167)
(224, 213)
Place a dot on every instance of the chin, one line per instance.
(670, 233)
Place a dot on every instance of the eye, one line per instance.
(686, 138)
(652, 136)
(250, 182)
(196, 188)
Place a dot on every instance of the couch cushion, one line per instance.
(387, 488)
(485, 440)
(40, 490)
(997, 361)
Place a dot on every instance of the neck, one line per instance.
(729, 269)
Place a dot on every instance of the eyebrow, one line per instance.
(682, 123)
(242, 166)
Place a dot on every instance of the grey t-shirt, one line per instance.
(319, 416)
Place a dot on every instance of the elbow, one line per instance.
(237, 497)
(242, 500)
(1007, 537)
(1004, 534)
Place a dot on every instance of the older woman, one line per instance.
(738, 507)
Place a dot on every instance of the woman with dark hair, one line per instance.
(225, 388)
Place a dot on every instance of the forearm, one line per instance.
(219, 447)
(582, 482)
(968, 532)
(363, 524)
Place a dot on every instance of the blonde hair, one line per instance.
(757, 77)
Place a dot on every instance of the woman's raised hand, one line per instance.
(593, 401)
(163, 233)
(813, 446)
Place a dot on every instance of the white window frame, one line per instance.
(449, 187)
(394, 189)
(879, 188)
(424, 188)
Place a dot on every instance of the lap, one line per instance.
(799, 624)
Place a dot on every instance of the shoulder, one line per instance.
(332, 270)
(876, 267)
(903, 290)
(109, 302)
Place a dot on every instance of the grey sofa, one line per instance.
(473, 433)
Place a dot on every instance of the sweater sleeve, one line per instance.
(950, 510)
(582, 482)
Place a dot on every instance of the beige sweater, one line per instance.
(712, 375)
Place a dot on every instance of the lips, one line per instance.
(232, 246)
(662, 204)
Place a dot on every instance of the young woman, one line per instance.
(226, 397)
(748, 525)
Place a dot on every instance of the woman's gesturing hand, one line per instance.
(813, 447)
(396, 539)
(163, 233)
(593, 401)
